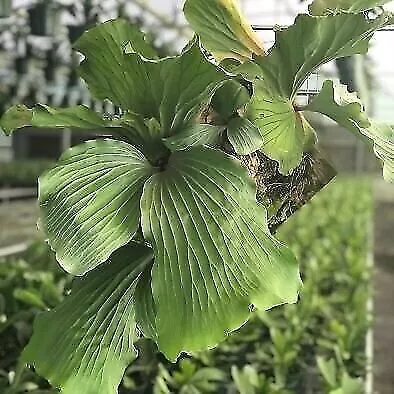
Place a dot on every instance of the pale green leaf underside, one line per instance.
(310, 42)
(244, 136)
(282, 131)
(222, 28)
(214, 256)
(194, 135)
(84, 345)
(324, 7)
(46, 117)
(345, 108)
(90, 202)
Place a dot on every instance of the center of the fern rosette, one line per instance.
(161, 161)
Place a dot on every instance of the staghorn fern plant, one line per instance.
(160, 222)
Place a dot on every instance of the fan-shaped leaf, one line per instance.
(172, 90)
(90, 202)
(297, 52)
(85, 344)
(116, 67)
(284, 132)
(214, 256)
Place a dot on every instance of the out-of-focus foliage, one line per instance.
(29, 284)
(22, 173)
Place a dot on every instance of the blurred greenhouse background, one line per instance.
(290, 351)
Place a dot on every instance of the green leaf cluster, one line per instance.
(332, 29)
(160, 223)
(333, 250)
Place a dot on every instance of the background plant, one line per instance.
(22, 173)
(161, 221)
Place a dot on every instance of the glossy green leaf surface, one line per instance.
(46, 117)
(84, 345)
(214, 256)
(194, 135)
(222, 28)
(244, 136)
(89, 202)
(172, 90)
(327, 7)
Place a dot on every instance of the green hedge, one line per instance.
(315, 346)
(22, 173)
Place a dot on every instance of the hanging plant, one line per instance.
(160, 223)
